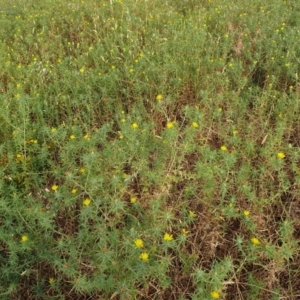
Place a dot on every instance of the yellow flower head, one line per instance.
(255, 241)
(24, 238)
(74, 191)
(195, 125)
(280, 155)
(246, 213)
(54, 187)
(72, 137)
(159, 97)
(144, 256)
(86, 202)
(215, 295)
(192, 214)
(223, 148)
(168, 237)
(139, 243)
(134, 125)
(184, 231)
(51, 280)
(133, 199)
(170, 125)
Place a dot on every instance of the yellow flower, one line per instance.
(192, 214)
(54, 187)
(255, 241)
(234, 132)
(184, 231)
(170, 125)
(74, 191)
(195, 125)
(51, 280)
(86, 202)
(53, 129)
(87, 137)
(24, 238)
(139, 243)
(82, 170)
(168, 237)
(223, 148)
(159, 97)
(133, 199)
(134, 125)
(215, 295)
(280, 155)
(121, 136)
(81, 70)
(246, 213)
(144, 256)
(72, 137)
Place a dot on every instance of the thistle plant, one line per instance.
(149, 151)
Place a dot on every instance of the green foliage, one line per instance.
(149, 150)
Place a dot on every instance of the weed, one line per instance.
(149, 151)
